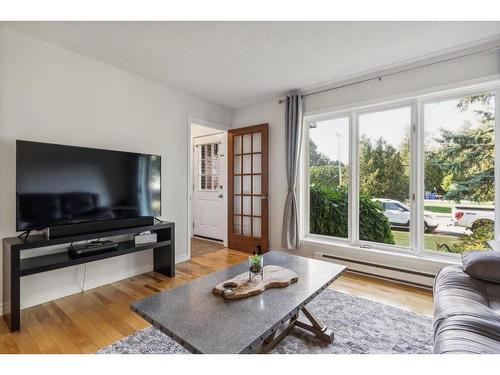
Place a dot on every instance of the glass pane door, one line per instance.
(247, 170)
(248, 205)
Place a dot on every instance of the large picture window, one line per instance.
(417, 176)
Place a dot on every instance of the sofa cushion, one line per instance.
(466, 313)
(460, 334)
(482, 265)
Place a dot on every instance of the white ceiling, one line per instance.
(238, 63)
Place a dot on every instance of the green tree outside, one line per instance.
(383, 173)
(466, 158)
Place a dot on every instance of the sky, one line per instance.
(391, 125)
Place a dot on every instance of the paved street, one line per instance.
(446, 226)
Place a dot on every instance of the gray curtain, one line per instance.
(293, 138)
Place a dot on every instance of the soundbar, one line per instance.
(98, 226)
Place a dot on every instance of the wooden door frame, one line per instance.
(189, 191)
(264, 181)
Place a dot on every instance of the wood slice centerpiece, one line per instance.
(241, 287)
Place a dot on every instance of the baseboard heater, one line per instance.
(381, 266)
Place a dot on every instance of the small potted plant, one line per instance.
(256, 265)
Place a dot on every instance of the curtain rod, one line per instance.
(381, 76)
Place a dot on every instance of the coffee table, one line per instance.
(207, 323)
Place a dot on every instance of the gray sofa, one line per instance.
(466, 312)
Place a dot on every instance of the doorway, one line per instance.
(208, 181)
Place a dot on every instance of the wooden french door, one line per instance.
(248, 188)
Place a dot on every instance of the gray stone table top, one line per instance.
(207, 323)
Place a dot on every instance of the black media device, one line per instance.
(91, 248)
(72, 190)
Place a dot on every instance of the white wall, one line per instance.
(53, 95)
(201, 131)
(463, 69)
(470, 68)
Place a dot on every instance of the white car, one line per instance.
(398, 214)
(471, 217)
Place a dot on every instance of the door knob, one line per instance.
(263, 197)
(220, 196)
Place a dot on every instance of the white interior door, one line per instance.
(209, 210)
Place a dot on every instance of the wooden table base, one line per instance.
(320, 330)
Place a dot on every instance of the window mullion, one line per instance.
(304, 191)
(354, 180)
(413, 179)
(417, 177)
(497, 165)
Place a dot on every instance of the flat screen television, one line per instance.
(61, 185)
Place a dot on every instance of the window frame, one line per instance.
(416, 102)
(382, 108)
(440, 97)
(305, 180)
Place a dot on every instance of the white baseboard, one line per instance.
(49, 296)
(108, 279)
(182, 258)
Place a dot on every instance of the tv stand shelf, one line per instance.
(30, 266)
(14, 267)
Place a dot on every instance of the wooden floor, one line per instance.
(85, 322)
(202, 247)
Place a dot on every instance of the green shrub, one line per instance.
(328, 211)
(329, 208)
(373, 224)
(477, 240)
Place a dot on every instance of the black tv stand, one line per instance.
(14, 267)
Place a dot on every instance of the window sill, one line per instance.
(404, 261)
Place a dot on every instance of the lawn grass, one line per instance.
(438, 209)
(402, 238)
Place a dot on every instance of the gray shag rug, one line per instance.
(360, 326)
